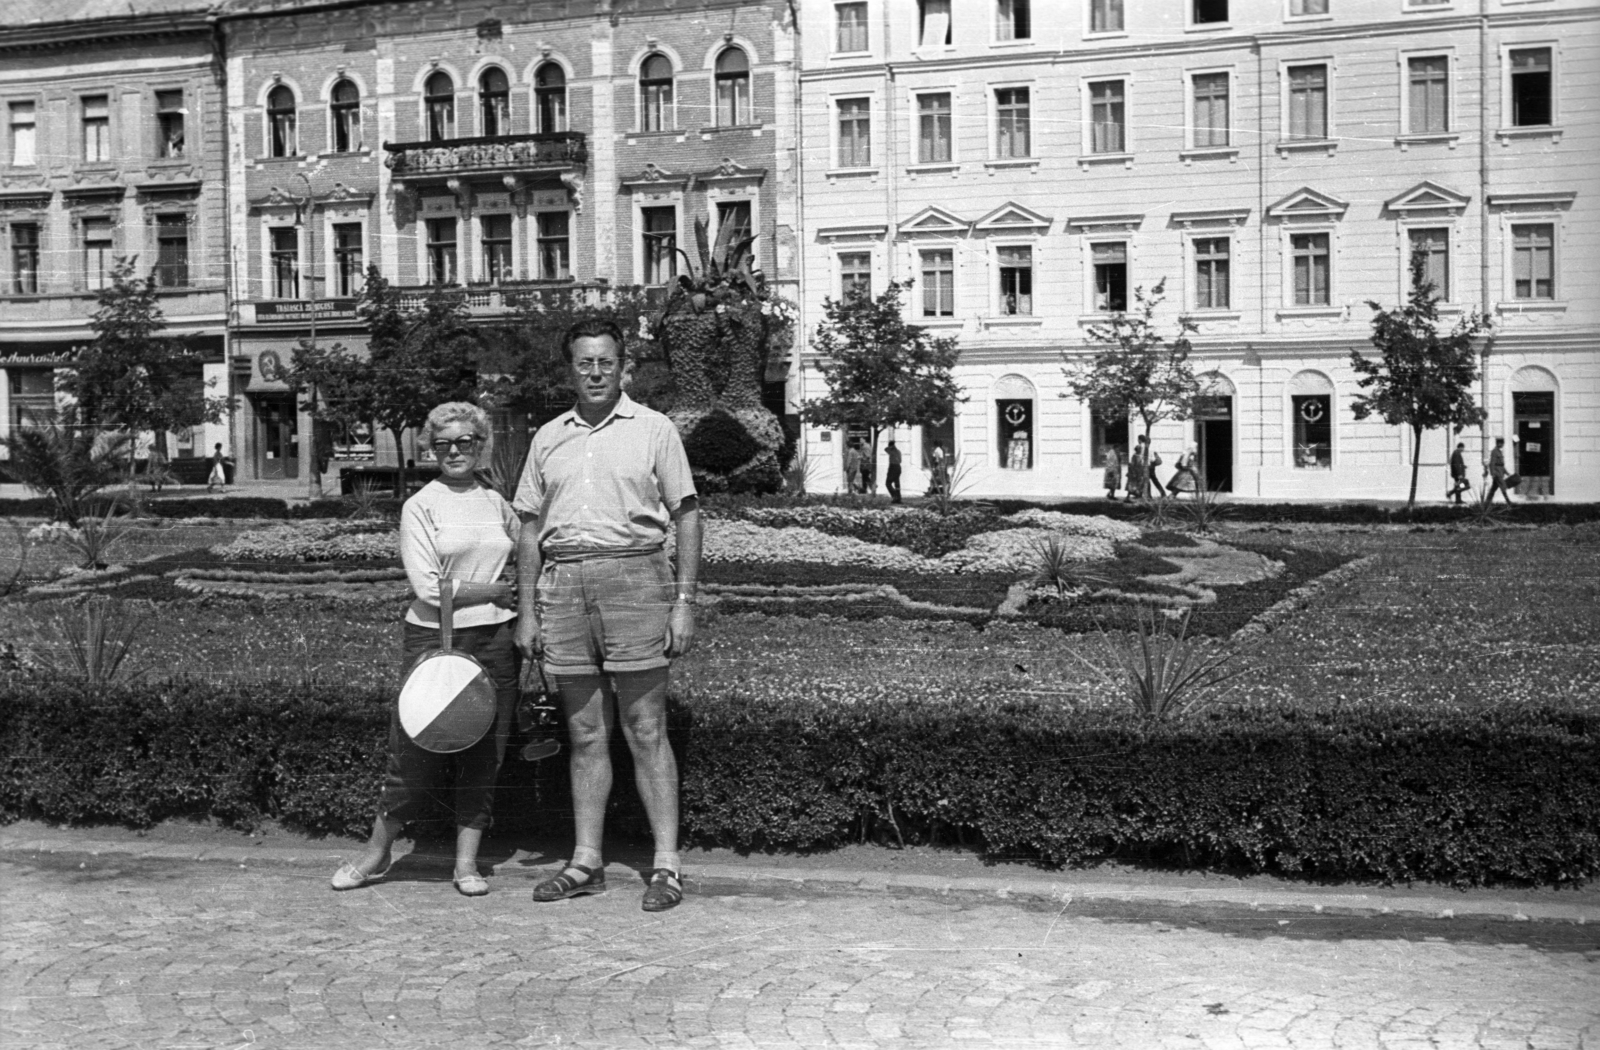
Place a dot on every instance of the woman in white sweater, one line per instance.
(454, 533)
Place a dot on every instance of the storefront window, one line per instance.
(1313, 431)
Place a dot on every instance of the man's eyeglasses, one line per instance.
(589, 366)
(467, 445)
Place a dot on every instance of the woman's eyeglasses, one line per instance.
(467, 445)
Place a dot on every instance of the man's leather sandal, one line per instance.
(665, 890)
(563, 886)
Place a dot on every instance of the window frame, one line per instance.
(485, 108)
(1192, 254)
(433, 102)
(999, 23)
(743, 101)
(664, 108)
(543, 93)
(1508, 127)
(920, 255)
(12, 106)
(1407, 132)
(838, 26)
(997, 293)
(1408, 231)
(272, 254)
(1087, 86)
(917, 118)
(430, 244)
(1511, 223)
(539, 241)
(162, 114)
(271, 118)
(102, 123)
(1031, 155)
(1293, 430)
(642, 236)
(1291, 15)
(922, 26)
(837, 117)
(14, 282)
(840, 271)
(1191, 125)
(90, 279)
(1091, 33)
(1091, 299)
(345, 116)
(485, 273)
(164, 221)
(338, 255)
(1287, 140)
(1192, 22)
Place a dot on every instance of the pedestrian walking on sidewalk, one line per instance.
(852, 467)
(1184, 478)
(602, 604)
(1496, 469)
(457, 534)
(1111, 480)
(217, 480)
(891, 478)
(1458, 473)
(1152, 461)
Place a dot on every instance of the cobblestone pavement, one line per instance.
(123, 952)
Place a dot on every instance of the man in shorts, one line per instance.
(599, 601)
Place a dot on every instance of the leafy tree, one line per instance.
(1135, 370)
(1420, 379)
(415, 360)
(132, 376)
(881, 371)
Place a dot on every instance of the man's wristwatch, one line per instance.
(683, 599)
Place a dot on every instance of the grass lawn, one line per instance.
(1461, 618)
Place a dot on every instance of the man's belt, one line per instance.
(566, 557)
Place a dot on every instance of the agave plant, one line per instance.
(1055, 567)
(727, 273)
(1206, 510)
(1162, 673)
(98, 641)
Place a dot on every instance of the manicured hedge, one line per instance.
(1503, 795)
(203, 507)
(1522, 513)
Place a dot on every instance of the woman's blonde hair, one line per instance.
(458, 412)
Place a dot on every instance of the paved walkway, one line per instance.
(116, 950)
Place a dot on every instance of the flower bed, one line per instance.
(315, 541)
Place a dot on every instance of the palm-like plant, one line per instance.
(727, 273)
(1164, 674)
(98, 642)
(96, 535)
(1206, 510)
(1055, 567)
(67, 463)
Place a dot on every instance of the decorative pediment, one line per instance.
(101, 194)
(1428, 198)
(854, 232)
(1211, 217)
(1013, 216)
(934, 219)
(656, 176)
(1533, 201)
(25, 200)
(1105, 221)
(275, 197)
(1307, 203)
(731, 169)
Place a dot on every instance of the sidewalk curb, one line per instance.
(16, 847)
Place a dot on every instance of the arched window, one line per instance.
(1311, 403)
(550, 99)
(733, 88)
(439, 99)
(281, 138)
(494, 102)
(655, 93)
(1014, 398)
(345, 109)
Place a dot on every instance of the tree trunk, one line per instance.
(400, 464)
(1416, 460)
(872, 463)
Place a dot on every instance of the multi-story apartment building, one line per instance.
(1274, 162)
(110, 146)
(504, 148)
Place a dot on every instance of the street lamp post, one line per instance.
(303, 219)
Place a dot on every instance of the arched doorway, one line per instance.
(1533, 420)
(1014, 422)
(1213, 431)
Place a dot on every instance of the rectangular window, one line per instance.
(1313, 431)
(660, 244)
(172, 251)
(938, 284)
(1211, 110)
(169, 124)
(1430, 94)
(1534, 261)
(97, 260)
(1308, 102)
(441, 251)
(1016, 281)
(1308, 7)
(1210, 12)
(285, 252)
(934, 25)
(855, 133)
(1107, 118)
(1105, 16)
(851, 28)
(347, 253)
(1013, 123)
(1105, 434)
(96, 129)
(1311, 269)
(933, 128)
(1532, 88)
(1211, 258)
(25, 258)
(1110, 277)
(734, 217)
(23, 135)
(855, 274)
(1434, 247)
(555, 246)
(497, 266)
(1013, 20)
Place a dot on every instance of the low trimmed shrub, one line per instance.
(1507, 795)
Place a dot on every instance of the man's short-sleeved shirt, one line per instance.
(607, 487)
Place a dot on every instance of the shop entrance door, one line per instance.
(1213, 432)
(1535, 415)
(278, 438)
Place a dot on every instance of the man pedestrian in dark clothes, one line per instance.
(1497, 471)
(1458, 473)
(891, 480)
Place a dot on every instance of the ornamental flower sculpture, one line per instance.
(715, 329)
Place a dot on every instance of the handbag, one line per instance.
(1511, 481)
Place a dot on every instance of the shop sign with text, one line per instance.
(299, 311)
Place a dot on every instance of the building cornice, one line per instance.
(54, 35)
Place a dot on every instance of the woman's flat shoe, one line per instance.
(349, 877)
(665, 890)
(472, 885)
(563, 886)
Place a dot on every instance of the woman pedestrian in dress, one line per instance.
(457, 533)
(1112, 479)
(1137, 468)
(1184, 479)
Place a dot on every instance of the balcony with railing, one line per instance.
(490, 155)
(485, 300)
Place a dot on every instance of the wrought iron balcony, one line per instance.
(558, 151)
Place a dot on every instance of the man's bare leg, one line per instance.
(642, 703)
(586, 702)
